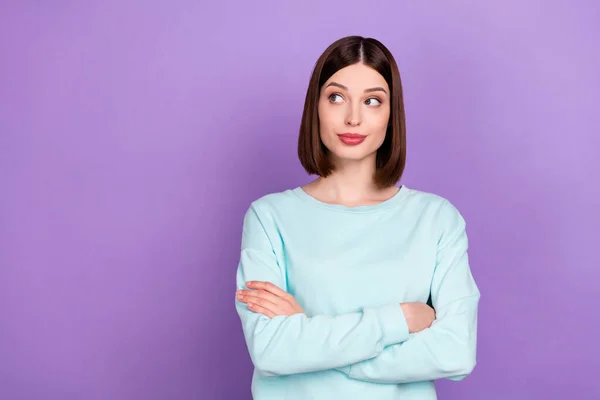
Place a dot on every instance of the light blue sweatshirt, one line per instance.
(349, 268)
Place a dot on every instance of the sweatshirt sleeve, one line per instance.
(447, 349)
(297, 344)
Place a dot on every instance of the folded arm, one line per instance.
(293, 344)
(447, 349)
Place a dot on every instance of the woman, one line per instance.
(336, 277)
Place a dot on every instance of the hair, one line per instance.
(391, 155)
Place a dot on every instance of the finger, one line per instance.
(263, 294)
(260, 301)
(261, 310)
(269, 287)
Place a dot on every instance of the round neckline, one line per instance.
(396, 198)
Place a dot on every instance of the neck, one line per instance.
(351, 183)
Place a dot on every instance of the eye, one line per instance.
(373, 99)
(333, 96)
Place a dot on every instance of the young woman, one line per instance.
(351, 287)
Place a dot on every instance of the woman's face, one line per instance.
(354, 109)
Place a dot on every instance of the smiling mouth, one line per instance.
(352, 138)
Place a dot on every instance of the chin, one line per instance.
(351, 154)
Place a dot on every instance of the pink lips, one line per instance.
(352, 138)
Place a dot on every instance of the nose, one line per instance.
(353, 118)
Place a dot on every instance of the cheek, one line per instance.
(378, 128)
(379, 123)
(384, 118)
(328, 120)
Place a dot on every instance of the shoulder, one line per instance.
(273, 200)
(270, 204)
(431, 201)
(443, 210)
(447, 222)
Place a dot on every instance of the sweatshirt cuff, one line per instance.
(393, 324)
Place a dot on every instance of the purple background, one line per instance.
(134, 135)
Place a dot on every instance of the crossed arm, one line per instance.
(382, 344)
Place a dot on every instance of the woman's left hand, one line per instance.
(267, 299)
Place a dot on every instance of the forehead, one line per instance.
(358, 77)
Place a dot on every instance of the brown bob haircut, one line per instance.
(391, 156)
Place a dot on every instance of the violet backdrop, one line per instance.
(134, 135)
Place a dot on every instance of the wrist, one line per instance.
(407, 316)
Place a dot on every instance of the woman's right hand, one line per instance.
(418, 316)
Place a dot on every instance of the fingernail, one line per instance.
(249, 283)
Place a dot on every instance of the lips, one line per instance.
(352, 138)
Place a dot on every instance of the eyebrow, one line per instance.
(375, 89)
